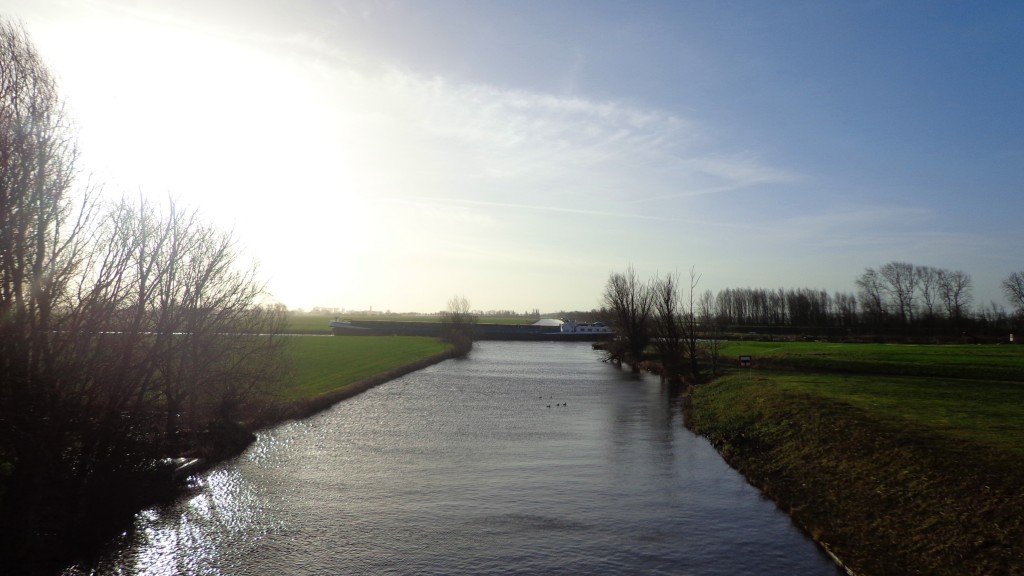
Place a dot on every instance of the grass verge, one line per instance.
(325, 370)
(893, 473)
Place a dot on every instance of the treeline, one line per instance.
(673, 323)
(127, 333)
(897, 299)
(802, 307)
(508, 313)
(661, 314)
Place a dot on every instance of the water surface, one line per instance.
(526, 458)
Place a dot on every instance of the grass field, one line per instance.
(901, 459)
(308, 324)
(997, 362)
(321, 365)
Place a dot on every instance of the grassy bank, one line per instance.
(900, 459)
(69, 523)
(329, 369)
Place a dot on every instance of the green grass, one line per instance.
(995, 362)
(321, 365)
(986, 413)
(308, 324)
(900, 458)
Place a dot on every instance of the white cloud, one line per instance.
(513, 147)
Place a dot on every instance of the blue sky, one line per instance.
(392, 154)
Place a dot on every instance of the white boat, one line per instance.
(341, 327)
(571, 327)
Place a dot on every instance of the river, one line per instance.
(525, 458)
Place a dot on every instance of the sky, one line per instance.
(393, 154)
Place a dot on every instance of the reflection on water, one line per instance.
(526, 458)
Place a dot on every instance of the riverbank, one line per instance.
(321, 372)
(324, 371)
(328, 370)
(464, 469)
(891, 457)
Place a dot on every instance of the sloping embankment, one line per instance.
(309, 406)
(883, 498)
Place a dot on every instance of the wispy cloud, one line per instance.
(479, 142)
(882, 232)
(449, 202)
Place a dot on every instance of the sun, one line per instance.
(248, 134)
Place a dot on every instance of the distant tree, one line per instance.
(672, 325)
(872, 296)
(918, 296)
(691, 324)
(712, 329)
(928, 287)
(628, 303)
(777, 306)
(669, 327)
(801, 307)
(845, 306)
(1013, 288)
(458, 324)
(900, 281)
(954, 293)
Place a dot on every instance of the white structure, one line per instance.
(547, 322)
(572, 327)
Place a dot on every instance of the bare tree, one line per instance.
(954, 292)
(37, 164)
(220, 342)
(691, 324)
(669, 329)
(711, 324)
(872, 295)
(659, 313)
(458, 324)
(628, 302)
(928, 283)
(170, 325)
(845, 309)
(111, 323)
(39, 243)
(901, 283)
(1013, 288)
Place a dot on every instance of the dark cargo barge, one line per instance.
(483, 331)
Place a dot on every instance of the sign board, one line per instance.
(745, 361)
